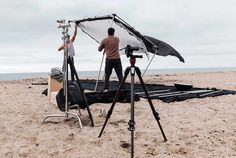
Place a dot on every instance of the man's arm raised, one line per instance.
(75, 33)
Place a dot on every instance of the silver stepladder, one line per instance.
(64, 25)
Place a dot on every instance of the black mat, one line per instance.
(159, 91)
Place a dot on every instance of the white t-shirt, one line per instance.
(71, 50)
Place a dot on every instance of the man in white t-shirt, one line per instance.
(71, 51)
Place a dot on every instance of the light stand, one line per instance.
(64, 25)
(132, 69)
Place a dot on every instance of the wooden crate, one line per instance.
(53, 86)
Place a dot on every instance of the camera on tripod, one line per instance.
(129, 52)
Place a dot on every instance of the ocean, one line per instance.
(18, 76)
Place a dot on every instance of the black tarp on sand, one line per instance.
(166, 93)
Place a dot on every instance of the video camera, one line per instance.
(129, 52)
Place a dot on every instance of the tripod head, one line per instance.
(129, 52)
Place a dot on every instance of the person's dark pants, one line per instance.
(110, 64)
(71, 63)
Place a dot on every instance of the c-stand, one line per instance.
(67, 61)
(132, 69)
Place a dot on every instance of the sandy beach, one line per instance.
(195, 128)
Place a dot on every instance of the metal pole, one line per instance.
(149, 63)
(66, 41)
(65, 38)
(131, 121)
(96, 86)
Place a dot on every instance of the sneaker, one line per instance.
(105, 90)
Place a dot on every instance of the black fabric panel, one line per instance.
(156, 91)
(164, 49)
(75, 97)
(182, 95)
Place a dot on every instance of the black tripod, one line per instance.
(132, 69)
(74, 74)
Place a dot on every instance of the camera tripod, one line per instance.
(69, 61)
(132, 69)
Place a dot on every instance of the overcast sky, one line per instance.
(203, 31)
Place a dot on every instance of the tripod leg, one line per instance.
(82, 92)
(131, 121)
(115, 100)
(155, 113)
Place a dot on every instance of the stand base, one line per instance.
(66, 115)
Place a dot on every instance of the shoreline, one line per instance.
(94, 74)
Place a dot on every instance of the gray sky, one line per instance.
(203, 32)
